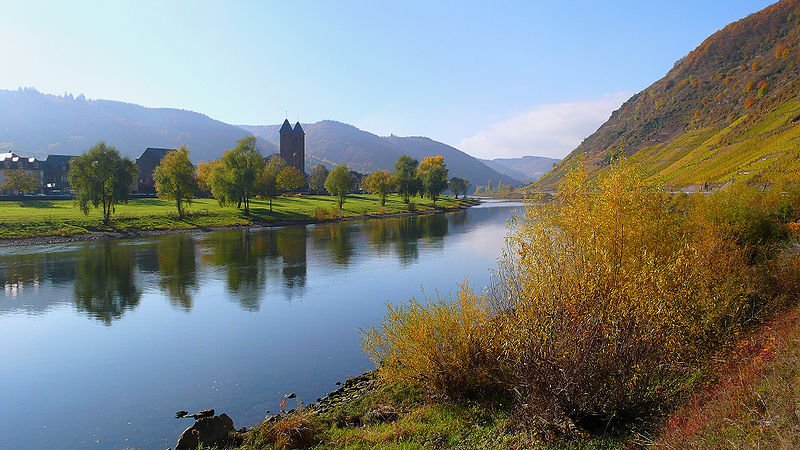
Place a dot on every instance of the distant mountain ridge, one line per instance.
(526, 168)
(729, 111)
(329, 142)
(37, 124)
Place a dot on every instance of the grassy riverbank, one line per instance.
(32, 219)
(748, 399)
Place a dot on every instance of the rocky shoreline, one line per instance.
(103, 235)
(219, 431)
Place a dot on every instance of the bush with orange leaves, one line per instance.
(444, 347)
(610, 300)
(607, 302)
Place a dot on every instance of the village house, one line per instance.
(147, 163)
(55, 171)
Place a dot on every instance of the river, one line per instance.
(101, 342)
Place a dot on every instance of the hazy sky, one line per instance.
(494, 78)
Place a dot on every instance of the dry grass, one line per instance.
(299, 429)
(753, 400)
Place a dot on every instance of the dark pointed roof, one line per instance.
(286, 127)
(298, 129)
(155, 152)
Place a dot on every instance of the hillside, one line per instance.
(329, 142)
(32, 123)
(727, 112)
(526, 168)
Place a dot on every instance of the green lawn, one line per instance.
(63, 217)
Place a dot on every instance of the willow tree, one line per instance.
(405, 174)
(236, 179)
(100, 179)
(268, 178)
(174, 178)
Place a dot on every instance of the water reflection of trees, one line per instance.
(177, 269)
(105, 281)
(105, 273)
(404, 234)
(246, 257)
(240, 256)
(292, 243)
(34, 268)
(337, 239)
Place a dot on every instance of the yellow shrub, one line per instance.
(443, 346)
(612, 297)
(607, 301)
(794, 229)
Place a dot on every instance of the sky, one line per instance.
(493, 78)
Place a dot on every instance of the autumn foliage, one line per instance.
(608, 301)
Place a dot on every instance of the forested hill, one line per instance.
(32, 123)
(727, 111)
(329, 142)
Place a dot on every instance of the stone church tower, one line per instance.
(293, 145)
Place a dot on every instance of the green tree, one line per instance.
(100, 178)
(205, 170)
(405, 175)
(459, 186)
(268, 180)
(432, 172)
(174, 178)
(290, 179)
(316, 182)
(380, 183)
(20, 181)
(236, 179)
(339, 182)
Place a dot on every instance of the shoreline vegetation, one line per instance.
(620, 316)
(33, 222)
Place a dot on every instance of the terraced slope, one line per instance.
(727, 112)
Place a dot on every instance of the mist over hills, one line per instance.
(33, 123)
(526, 168)
(329, 142)
(729, 111)
(37, 124)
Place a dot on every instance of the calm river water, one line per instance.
(101, 342)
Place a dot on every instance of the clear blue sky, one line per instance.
(458, 71)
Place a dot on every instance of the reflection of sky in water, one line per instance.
(121, 334)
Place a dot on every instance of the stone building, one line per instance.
(147, 163)
(56, 168)
(293, 145)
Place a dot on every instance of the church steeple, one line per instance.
(293, 145)
(286, 127)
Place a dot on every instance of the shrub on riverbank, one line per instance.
(608, 303)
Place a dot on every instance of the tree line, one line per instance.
(101, 177)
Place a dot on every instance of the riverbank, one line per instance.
(368, 413)
(50, 222)
(748, 400)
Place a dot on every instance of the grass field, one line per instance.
(63, 218)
